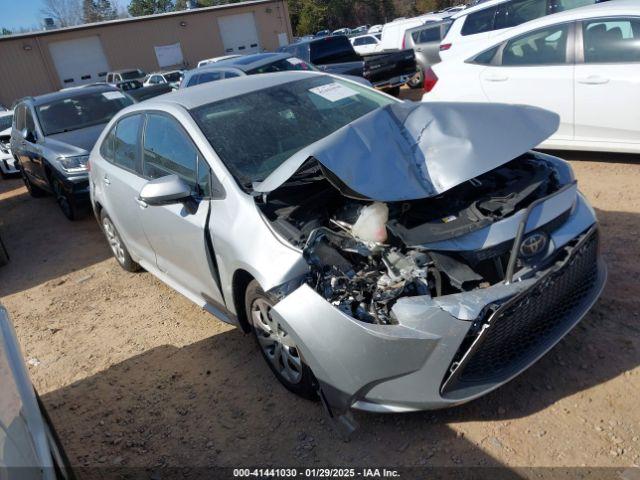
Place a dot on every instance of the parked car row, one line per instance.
(582, 64)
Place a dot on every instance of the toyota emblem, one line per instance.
(533, 244)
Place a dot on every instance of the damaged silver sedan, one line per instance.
(388, 256)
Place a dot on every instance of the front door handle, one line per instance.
(593, 80)
(106, 180)
(141, 203)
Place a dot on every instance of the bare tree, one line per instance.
(64, 12)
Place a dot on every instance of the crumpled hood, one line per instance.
(407, 151)
(75, 142)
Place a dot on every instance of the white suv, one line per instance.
(487, 19)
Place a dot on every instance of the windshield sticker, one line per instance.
(112, 95)
(333, 92)
(294, 61)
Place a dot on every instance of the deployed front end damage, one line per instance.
(440, 265)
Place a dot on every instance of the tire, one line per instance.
(4, 255)
(295, 375)
(116, 244)
(64, 200)
(33, 190)
(417, 81)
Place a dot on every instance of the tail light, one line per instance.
(88, 164)
(430, 80)
(445, 46)
(404, 42)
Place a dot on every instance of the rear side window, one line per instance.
(427, 35)
(486, 57)
(169, 151)
(611, 40)
(479, 22)
(125, 143)
(562, 5)
(547, 46)
(333, 50)
(517, 12)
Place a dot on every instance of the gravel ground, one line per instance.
(133, 374)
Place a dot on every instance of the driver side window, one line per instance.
(168, 150)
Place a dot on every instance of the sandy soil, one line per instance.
(133, 374)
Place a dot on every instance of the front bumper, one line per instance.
(411, 365)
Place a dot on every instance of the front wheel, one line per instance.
(117, 245)
(65, 200)
(276, 345)
(33, 190)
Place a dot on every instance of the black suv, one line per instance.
(52, 136)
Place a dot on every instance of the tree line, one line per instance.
(307, 16)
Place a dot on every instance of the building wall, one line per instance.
(26, 66)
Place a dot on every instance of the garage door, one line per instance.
(79, 61)
(239, 33)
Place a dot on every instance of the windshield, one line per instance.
(254, 133)
(291, 63)
(5, 122)
(132, 74)
(81, 111)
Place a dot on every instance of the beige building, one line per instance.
(36, 63)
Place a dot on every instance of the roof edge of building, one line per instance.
(89, 26)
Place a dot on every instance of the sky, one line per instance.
(23, 13)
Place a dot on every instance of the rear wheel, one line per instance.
(117, 245)
(276, 345)
(417, 80)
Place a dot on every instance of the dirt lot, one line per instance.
(134, 374)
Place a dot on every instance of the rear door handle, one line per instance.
(593, 80)
(496, 78)
(106, 180)
(141, 203)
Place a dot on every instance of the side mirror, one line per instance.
(29, 136)
(165, 191)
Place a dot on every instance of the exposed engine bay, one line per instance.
(365, 255)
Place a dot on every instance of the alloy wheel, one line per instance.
(276, 343)
(114, 240)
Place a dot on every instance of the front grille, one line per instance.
(516, 332)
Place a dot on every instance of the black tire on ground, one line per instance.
(4, 255)
(395, 91)
(417, 81)
(65, 200)
(306, 386)
(33, 190)
(118, 248)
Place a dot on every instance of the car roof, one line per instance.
(476, 8)
(70, 93)
(249, 62)
(605, 9)
(203, 94)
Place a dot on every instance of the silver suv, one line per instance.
(386, 255)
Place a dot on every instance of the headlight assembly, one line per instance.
(74, 164)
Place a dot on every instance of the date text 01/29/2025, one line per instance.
(316, 473)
